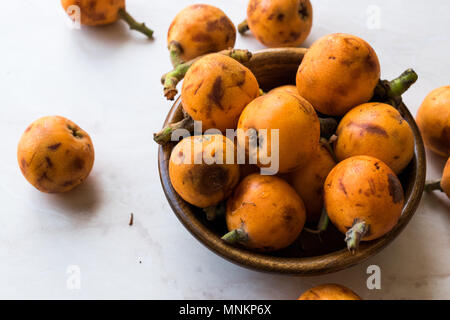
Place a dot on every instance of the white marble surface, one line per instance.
(107, 81)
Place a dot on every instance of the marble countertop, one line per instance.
(79, 245)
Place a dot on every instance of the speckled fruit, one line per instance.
(377, 130)
(295, 122)
(339, 72)
(363, 188)
(433, 119)
(280, 23)
(216, 89)
(200, 29)
(268, 210)
(96, 12)
(55, 155)
(308, 181)
(329, 292)
(199, 171)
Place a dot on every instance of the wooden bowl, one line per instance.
(309, 255)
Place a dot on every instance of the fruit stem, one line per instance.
(165, 135)
(433, 185)
(175, 52)
(134, 25)
(399, 85)
(355, 234)
(327, 144)
(236, 235)
(327, 127)
(243, 27)
(322, 225)
(217, 211)
(171, 79)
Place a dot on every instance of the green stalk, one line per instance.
(235, 236)
(175, 53)
(165, 135)
(355, 234)
(322, 226)
(171, 79)
(399, 85)
(134, 25)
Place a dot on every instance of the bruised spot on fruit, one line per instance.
(23, 163)
(29, 128)
(294, 35)
(371, 62)
(369, 128)
(217, 92)
(68, 183)
(78, 163)
(208, 179)
(342, 187)
(373, 189)
(43, 177)
(347, 62)
(303, 11)
(201, 37)
(395, 188)
(343, 90)
(198, 87)
(252, 7)
(49, 162)
(331, 58)
(54, 147)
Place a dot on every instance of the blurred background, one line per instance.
(107, 80)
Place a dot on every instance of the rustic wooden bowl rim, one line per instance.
(304, 266)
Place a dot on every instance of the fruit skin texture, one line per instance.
(329, 292)
(339, 72)
(308, 181)
(55, 155)
(96, 12)
(445, 182)
(280, 23)
(269, 211)
(206, 182)
(216, 89)
(377, 130)
(433, 119)
(297, 122)
(200, 29)
(287, 88)
(364, 188)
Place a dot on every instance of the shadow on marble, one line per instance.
(111, 36)
(81, 202)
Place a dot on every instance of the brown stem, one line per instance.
(134, 25)
(355, 234)
(172, 78)
(165, 135)
(217, 211)
(243, 27)
(327, 144)
(433, 185)
(327, 127)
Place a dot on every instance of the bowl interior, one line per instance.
(310, 254)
